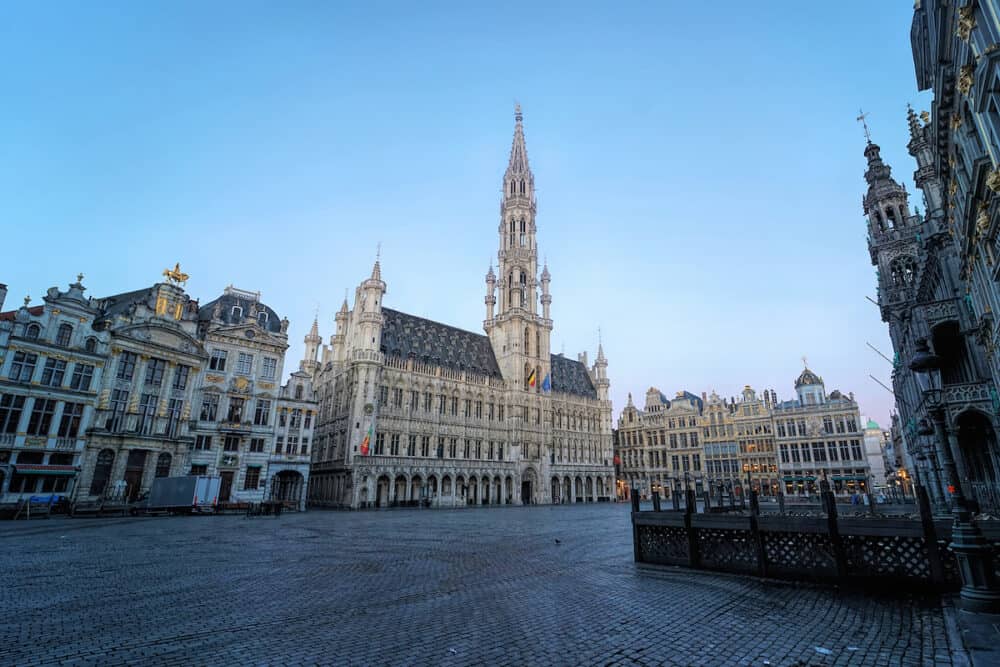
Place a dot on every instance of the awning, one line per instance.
(39, 469)
(849, 478)
(800, 479)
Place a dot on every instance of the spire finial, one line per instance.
(517, 112)
(79, 277)
(805, 362)
(862, 118)
(378, 251)
(27, 300)
(599, 341)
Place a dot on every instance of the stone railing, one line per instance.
(819, 547)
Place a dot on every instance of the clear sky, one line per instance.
(698, 165)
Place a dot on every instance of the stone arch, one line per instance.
(978, 451)
(399, 489)
(461, 489)
(497, 490)
(416, 488)
(529, 486)
(556, 487)
(578, 489)
(508, 496)
(447, 485)
(567, 494)
(102, 471)
(589, 488)
(472, 497)
(382, 491)
(600, 488)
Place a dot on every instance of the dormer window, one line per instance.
(32, 332)
(90, 345)
(298, 391)
(262, 319)
(237, 312)
(64, 334)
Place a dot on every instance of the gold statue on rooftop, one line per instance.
(174, 275)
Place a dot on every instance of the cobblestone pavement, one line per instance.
(416, 587)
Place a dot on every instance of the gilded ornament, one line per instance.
(966, 21)
(956, 121)
(924, 116)
(993, 180)
(983, 220)
(214, 378)
(953, 188)
(174, 275)
(965, 79)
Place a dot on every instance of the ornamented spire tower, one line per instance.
(926, 176)
(519, 335)
(311, 361)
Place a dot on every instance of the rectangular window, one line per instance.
(279, 444)
(269, 370)
(203, 442)
(801, 424)
(454, 405)
(181, 374)
(411, 446)
(490, 411)
(257, 444)
(209, 407)
(397, 397)
(441, 404)
(781, 429)
(198, 470)
(244, 363)
(126, 366)
(467, 449)
(425, 445)
(83, 375)
(687, 463)
(499, 451)
(394, 444)
(53, 373)
(235, 410)
(308, 419)
(217, 362)
(819, 452)
(11, 408)
(22, 367)
(174, 408)
(147, 413)
(453, 448)
(119, 403)
(69, 425)
(380, 444)
(694, 439)
(295, 421)
(231, 443)
(262, 413)
(282, 417)
(675, 462)
(499, 413)
(293, 444)
(845, 454)
(827, 425)
(784, 454)
(440, 451)
(856, 452)
(41, 416)
(427, 401)
(832, 449)
(479, 449)
(468, 408)
(252, 479)
(414, 400)
(154, 372)
(383, 395)
(696, 462)
(673, 441)
(806, 454)
(795, 453)
(852, 425)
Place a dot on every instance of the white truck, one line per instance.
(182, 494)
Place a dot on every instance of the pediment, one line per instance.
(156, 335)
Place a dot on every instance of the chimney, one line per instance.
(3, 294)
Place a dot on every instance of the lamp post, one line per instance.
(980, 590)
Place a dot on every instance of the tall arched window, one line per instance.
(524, 236)
(63, 335)
(163, 465)
(32, 331)
(102, 472)
(237, 312)
(298, 391)
(527, 341)
(538, 344)
(90, 345)
(890, 218)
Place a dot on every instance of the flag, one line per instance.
(365, 443)
(531, 378)
(546, 384)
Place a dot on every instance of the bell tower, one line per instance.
(518, 333)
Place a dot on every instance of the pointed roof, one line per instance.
(343, 306)
(376, 271)
(600, 352)
(518, 151)
(314, 331)
(914, 122)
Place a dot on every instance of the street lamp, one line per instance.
(980, 591)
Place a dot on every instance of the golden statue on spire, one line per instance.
(174, 275)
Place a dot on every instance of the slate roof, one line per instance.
(571, 377)
(431, 342)
(273, 323)
(32, 310)
(435, 343)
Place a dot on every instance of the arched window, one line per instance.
(890, 217)
(298, 391)
(878, 221)
(163, 465)
(902, 270)
(90, 345)
(102, 472)
(237, 312)
(527, 341)
(262, 318)
(538, 344)
(522, 186)
(63, 335)
(32, 331)
(512, 187)
(524, 236)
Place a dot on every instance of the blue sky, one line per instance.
(699, 167)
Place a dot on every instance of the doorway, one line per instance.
(526, 492)
(134, 466)
(225, 486)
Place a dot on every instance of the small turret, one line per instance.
(546, 297)
(491, 299)
(312, 341)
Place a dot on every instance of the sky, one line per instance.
(699, 167)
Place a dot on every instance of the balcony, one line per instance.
(235, 426)
(66, 443)
(7, 438)
(969, 392)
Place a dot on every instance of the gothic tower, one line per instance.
(893, 234)
(310, 362)
(519, 335)
(926, 176)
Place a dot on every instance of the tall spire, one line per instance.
(518, 163)
(911, 118)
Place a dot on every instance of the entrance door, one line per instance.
(134, 466)
(225, 486)
(525, 493)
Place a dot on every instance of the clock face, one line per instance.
(249, 333)
(369, 408)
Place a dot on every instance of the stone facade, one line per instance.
(51, 366)
(774, 447)
(937, 270)
(413, 411)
